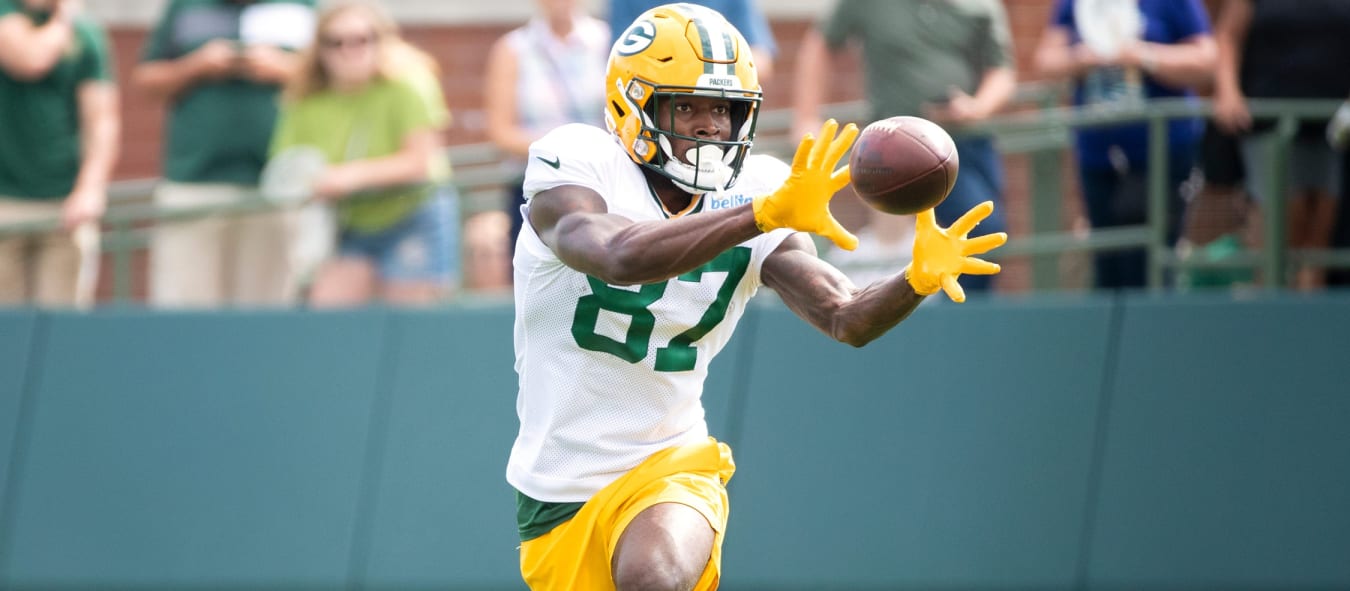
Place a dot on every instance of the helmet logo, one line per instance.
(637, 38)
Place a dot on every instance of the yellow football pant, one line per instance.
(577, 554)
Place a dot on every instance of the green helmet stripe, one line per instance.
(731, 52)
(728, 45)
(707, 45)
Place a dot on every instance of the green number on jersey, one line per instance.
(621, 301)
(679, 354)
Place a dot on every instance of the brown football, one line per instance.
(903, 165)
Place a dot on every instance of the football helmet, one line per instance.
(682, 49)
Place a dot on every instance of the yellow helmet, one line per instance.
(682, 49)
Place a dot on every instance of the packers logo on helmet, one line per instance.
(682, 49)
(638, 38)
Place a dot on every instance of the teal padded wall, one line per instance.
(1181, 444)
(1228, 463)
(208, 450)
(952, 453)
(444, 516)
(16, 346)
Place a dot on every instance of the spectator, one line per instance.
(1215, 223)
(745, 15)
(59, 116)
(547, 73)
(948, 61)
(1174, 52)
(372, 104)
(1287, 50)
(220, 64)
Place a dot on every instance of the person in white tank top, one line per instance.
(642, 245)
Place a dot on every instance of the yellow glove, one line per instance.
(803, 201)
(940, 256)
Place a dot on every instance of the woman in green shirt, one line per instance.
(371, 103)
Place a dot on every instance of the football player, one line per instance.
(642, 246)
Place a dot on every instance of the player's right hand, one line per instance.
(803, 201)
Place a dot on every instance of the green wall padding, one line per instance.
(177, 450)
(444, 515)
(952, 453)
(1228, 463)
(16, 345)
(1186, 443)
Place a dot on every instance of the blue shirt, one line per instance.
(1165, 21)
(742, 14)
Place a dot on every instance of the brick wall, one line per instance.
(461, 51)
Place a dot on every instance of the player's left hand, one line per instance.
(942, 255)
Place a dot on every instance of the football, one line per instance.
(903, 165)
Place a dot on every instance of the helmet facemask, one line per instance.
(712, 164)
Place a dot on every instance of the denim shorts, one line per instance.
(422, 248)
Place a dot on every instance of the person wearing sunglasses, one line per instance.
(372, 104)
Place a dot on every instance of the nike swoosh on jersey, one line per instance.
(556, 162)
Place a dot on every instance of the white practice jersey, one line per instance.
(612, 374)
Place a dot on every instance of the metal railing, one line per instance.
(1042, 134)
(1045, 133)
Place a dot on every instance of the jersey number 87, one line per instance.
(678, 355)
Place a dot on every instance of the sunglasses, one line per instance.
(353, 41)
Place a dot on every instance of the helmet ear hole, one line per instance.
(618, 109)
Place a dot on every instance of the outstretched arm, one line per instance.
(826, 299)
(574, 222)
